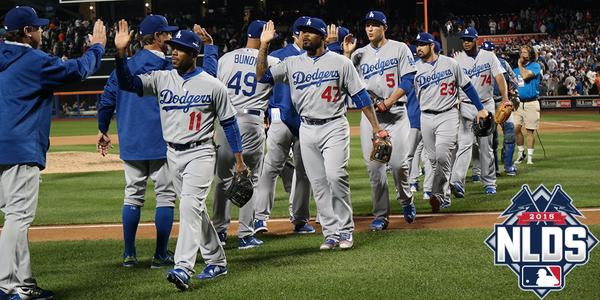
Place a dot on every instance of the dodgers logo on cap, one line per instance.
(315, 24)
(376, 15)
(186, 39)
(541, 240)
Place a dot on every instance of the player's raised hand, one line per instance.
(122, 36)
(332, 34)
(203, 34)
(349, 44)
(98, 35)
(268, 33)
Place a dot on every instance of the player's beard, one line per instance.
(311, 46)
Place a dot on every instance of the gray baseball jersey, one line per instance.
(382, 68)
(437, 83)
(237, 71)
(188, 107)
(319, 85)
(481, 70)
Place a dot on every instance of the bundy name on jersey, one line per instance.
(541, 240)
(302, 80)
(169, 100)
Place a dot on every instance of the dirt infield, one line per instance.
(484, 220)
(80, 162)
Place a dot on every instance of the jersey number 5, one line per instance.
(195, 121)
(390, 80)
(447, 89)
(329, 96)
(249, 81)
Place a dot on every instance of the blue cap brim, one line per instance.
(170, 28)
(41, 22)
(178, 43)
(373, 19)
(311, 29)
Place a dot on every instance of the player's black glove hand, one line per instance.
(240, 191)
(378, 102)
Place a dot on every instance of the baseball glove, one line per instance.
(503, 112)
(240, 191)
(382, 147)
(378, 102)
(484, 127)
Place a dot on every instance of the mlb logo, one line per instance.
(547, 277)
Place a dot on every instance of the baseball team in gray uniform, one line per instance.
(250, 98)
(482, 69)
(437, 85)
(381, 64)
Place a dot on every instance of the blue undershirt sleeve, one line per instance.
(473, 96)
(232, 133)
(407, 82)
(126, 80)
(362, 99)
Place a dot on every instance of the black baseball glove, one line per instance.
(240, 191)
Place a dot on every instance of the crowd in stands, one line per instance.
(569, 53)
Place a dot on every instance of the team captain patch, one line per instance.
(541, 239)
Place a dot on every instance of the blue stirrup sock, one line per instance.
(131, 218)
(163, 220)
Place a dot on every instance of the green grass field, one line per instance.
(398, 264)
(394, 264)
(577, 168)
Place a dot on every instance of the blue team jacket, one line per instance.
(531, 89)
(27, 80)
(281, 97)
(138, 118)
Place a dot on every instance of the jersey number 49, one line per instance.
(249, 82)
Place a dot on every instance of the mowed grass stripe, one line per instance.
(419, 264)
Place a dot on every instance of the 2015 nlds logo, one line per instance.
(541, 239)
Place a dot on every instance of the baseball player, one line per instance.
(250, 99)
(280, 139)
(415, 144)
(190, 101)
(142, 147)
(508, 128)
(28, 78)
(480, 67)
(388, 69)
(318, 79)
(437, 82)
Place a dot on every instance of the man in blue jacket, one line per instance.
(142, 147)
(28, 77)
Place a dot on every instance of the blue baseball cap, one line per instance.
(187, 39)
(413, 49)
(342, 33)
(488, 45)
(297, 23)
(22, 16)
(376, 15)
(425, 37)
(314, 24)
(255, 29)
(155, 23)
(468, 33)
(437, 47)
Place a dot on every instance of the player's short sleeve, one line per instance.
(279, 71)
(350, 79)
(406, 63)
(356, 57)
(461, 78)
(497, 68)
(223, 107)
(149, 83)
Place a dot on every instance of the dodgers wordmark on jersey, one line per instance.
(188, 105)
(328, 78)
(382, 68)
(481, 70)
(438, 82)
